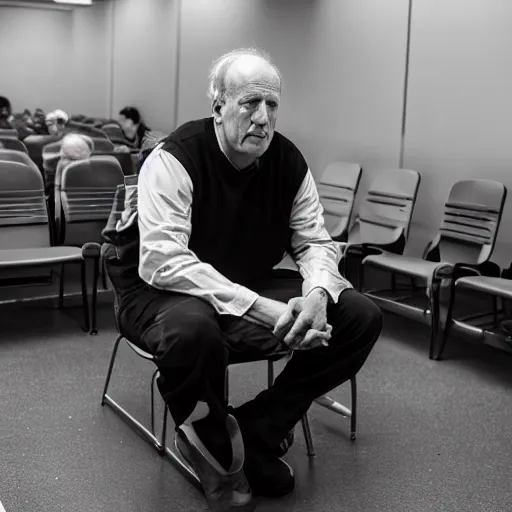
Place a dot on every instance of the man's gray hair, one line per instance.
(217, 77)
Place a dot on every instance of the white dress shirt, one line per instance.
(166, 262)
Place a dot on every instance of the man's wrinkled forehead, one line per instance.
(250, 73)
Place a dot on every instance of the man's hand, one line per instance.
(304, 323)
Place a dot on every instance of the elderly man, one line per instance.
(220, 201)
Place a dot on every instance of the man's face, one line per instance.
(247, 118)
(127, 125)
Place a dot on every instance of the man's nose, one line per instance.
(260, 116)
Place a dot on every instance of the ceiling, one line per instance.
(40, 2)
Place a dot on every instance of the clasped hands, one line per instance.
(303, 325)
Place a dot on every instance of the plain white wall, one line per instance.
(54, 58)
(342, 62)
(144, 59)
(459, 111)
(36, 54)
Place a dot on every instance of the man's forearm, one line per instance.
(265, 312)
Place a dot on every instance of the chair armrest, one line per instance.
(91, 250)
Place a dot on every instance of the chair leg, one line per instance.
(110, 368)
(93, 327)
(153, 380)
(448, 322)
(353, 416)
(104, 274)
(307, 435)
(434, 315)
(85, 298)
(61, 286)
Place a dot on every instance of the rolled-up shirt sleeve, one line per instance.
(166, 262)
(312, 249)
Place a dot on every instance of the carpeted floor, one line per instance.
(432, 436)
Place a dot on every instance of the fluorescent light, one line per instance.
(74, 2)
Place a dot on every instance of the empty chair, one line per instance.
(465, 242)
(85, 129)
(114, 132)
(337, 190)
(9, 132)
(12, 155)
(35, 145)
(85, 191)
(496, 287)
(24, 228)
(384, 218)
(84, 195)
(12, 143)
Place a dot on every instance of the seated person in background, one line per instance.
(73, 148)
(219, 202)
(133, 128)
(5, 114)
(40, 122)
(56, 122)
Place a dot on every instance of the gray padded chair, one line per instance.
(12, 143)
(9, 132)
(384, 218)
(465, 241)
(84, 195)
(115, 133)
(496, 287)
(12, 155)
(337, 190)
(24, 228)
(35, 145)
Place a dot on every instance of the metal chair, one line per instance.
(465, 242)
(384, 219)
(495, 287)
(84, 196)
(337, 190)
(160, 444)
(24, 229)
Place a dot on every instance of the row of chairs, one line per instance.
(84, 193)
(458, 256)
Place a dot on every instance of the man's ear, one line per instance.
(217, 111)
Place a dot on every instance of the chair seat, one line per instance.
(39, 256)
(410, 266)
(492, 285)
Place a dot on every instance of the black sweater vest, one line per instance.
(240, 219)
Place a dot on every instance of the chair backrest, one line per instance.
(23, 213)
(35, 145)
(385, 215)
(11, 155)
(9, 132)
(337, 189)
(113, 131)
(84, 194)
(85, 129)
(470, 222)
(12, 143)
(102, 145)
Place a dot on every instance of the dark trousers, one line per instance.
(193, 346)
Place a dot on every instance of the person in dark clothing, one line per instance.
(133, 128)
(193, 261)
(5, 113)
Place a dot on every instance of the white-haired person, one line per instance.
(74, 147)
(217, 204)
(56, 123)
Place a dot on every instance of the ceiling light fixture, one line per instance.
(74, 2)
